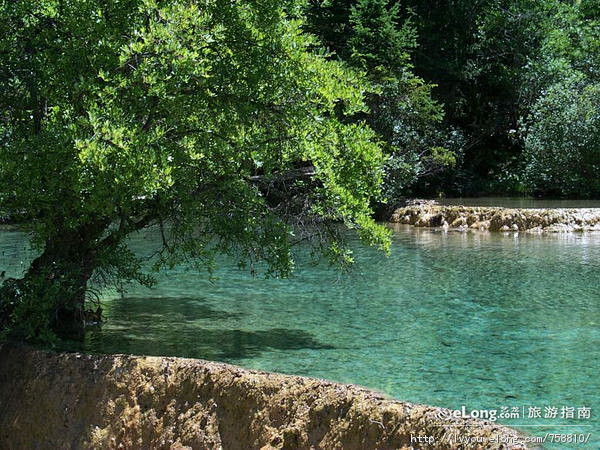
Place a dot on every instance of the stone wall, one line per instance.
(498, 219)
(68, 400)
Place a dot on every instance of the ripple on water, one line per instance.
(477, 319)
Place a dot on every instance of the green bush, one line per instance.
(562, 143)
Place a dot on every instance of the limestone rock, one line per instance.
(423, 214)
(66, 400)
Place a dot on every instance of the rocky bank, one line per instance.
(68, 400)
(430, 214)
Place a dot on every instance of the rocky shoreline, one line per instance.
(70, 400)
(430, 214)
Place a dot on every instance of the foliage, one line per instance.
(372, 35)
(134, 113)
(493, 60)
(490, 63)
(562, 145)
(562, 130)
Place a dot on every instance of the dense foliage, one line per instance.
(493, 62)
(190, 116)
(371, 35)
(562, 127)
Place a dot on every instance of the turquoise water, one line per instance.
(477, 319)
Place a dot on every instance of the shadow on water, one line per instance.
(182, 327)
(200, 342)
(151, 310)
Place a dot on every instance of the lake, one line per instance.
(484, 320)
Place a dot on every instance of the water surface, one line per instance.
(483, 320)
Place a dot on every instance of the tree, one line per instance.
(372, 35)
(562, 128)
(474, 52)
(562, 143)
(118, 116)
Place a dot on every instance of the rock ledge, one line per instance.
(430, 214)
(70, 400)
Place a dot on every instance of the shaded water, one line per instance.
(477, 319)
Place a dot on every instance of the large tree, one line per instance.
(214, 121)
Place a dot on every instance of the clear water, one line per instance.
(477, 319)
(519, 202)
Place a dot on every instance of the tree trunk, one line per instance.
(54, 286)
(63, 275)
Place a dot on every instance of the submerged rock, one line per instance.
(69, 400)
(430, 214)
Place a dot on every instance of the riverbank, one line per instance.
(431, 214)
(70, 400)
